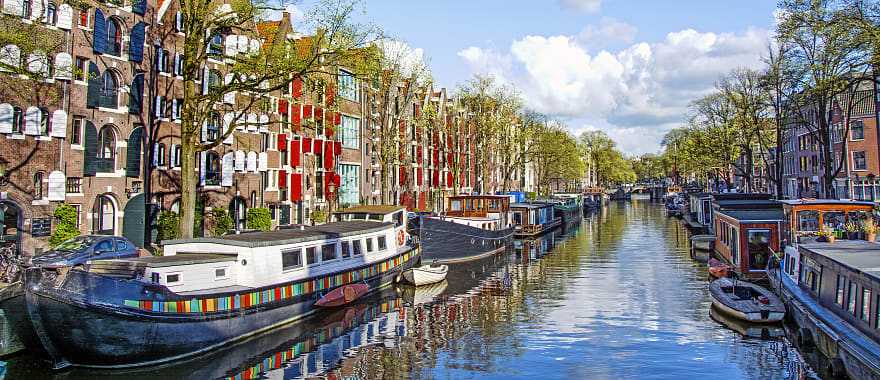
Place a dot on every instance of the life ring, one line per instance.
(400, 238)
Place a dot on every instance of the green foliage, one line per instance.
(258, 218)
(221, 222)
(65, 227)
(319, 216)
(169, 226)
(604, 159)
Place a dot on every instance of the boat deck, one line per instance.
(860, 255)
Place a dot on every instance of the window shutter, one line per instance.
(12, 7)
(227, 169)
(57, 188)
(240, 159)
(173, 157)
(133, 153)
(178, 62)
(32, 119)
(59, 124)
(252, 161)
(204, 135)
(155, 155)
(10, 55)
(282, 179)
(294, 152)
(90, 141)
(242, 45)
(99, 33)
(65, 17)
(252, 121)
(6, 114)
(93, 93)
(263, 161)
(158, 107)
(296, 187)
(205, 75)
(136, 95)
(136, 44)
(139, 7)
(39, 9)
(63, 66)
(230, 44)
(202, 170)
(178, 21)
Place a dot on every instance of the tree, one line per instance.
(778, 84)
(556, 156)
(337, 40)
(65, 227)
(607, 163)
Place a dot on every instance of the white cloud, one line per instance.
(409, 59)
(582, 5)
(609, 29)
(488, 61)
(636, 93)
(296, 14)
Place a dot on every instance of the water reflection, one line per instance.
(615, 297)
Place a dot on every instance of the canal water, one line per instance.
(614, 297)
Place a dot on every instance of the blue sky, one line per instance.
(626, 67)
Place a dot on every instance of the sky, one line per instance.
(626, 67)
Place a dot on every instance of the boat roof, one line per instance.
(371, 209)
(858, 255)
(814, 201)
(479, 196)
(748, 203)
(531, 205)
(291, 236)
(767, 215)
(181, 259)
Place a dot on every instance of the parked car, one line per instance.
(77, 251)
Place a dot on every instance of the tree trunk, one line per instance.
(779, 163)
(188, 178)
(383, 178)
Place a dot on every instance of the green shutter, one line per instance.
(133, 153)
(134, 220)
(136, 95)
(93, 93)
(90, 140)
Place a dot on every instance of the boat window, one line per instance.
(759, 249)
(398, 219)
(851, 301)
(311, 255)
(359, 217)
(734, 245)
(382, 244)
(356, 247)
(841, 289)
(866, 305)
(171, 278)
(291, 259)
(376, 217)
(346, 249)
(369, 245)
(455, 205)
(834, 219)
(328, 252)
(220, 273)
(808, 221)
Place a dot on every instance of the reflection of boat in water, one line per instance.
(417, 295)
(750, 330)
(536, 247)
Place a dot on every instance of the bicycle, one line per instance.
(10, 264)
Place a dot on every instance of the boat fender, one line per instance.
(805, 339)
(400, 238)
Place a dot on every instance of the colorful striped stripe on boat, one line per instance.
(251, 299)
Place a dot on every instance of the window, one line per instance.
(291, 259)
(759, 249)
(220, 273)
(162, 60)
(866, 305)
(348, 86)
(109, 87)
(859, 162)
(311, 255)
(114, 37)
(106, 143)
(172, 278)
(38, 185)
(26, 9)
(44, 122)
(346, 249)
(212, 169)
(175, 152)
(160, 155)
(121, 245)
(51, 14)
(78, 209)
(81, 69)
(356, 247)
(104, 216)
(857, 130)
(74, 185)
(17, 120)
(178, 22)
(84, 18)
(349, 186)
(214, 79)
(213, 127)
(851, 300)
(215, 46)
(351, 129)
(328, 252)
(841, 290)
(383, 245)
(76, 131)
(369, 245)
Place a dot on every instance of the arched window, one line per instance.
(253, 199)
(213, 129)
(38, 185)
(215, 47)
(175, 206)
(109, 90)
(26, 8)
(114, 37)
(44, 122)
(214, 79)
(238, 211)
(212, 169)
(51, 14)
(107, 143)
(103, 216)
(17, 119)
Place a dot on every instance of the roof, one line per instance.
(741, 196)
(813, 201)
(754, 215)
(531, 205)
(267, 30)
(371, 209)
(182, 259)
(291, 236)
(859, 255)
(747, 204)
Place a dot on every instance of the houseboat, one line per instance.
(567, 207)
(473, 227)
(746, 239)
(534, 218)
(205, 293)
(832, 293)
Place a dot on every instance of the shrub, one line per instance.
(221, 222)
(65, 227)
(258, 219)
(169, 226)
(319, 216)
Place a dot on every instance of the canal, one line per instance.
(615, 297)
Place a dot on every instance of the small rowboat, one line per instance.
(343, 295)
(746, 301)
(717, 269)
(426, 274)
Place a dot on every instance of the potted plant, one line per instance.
(852, 230)
(870, 230)
(826, 233)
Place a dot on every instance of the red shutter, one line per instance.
(282, 179)
(402, 172)
(296, 187)
(295, 117)
(283, 106)
(330, 94)
(319, 146)
(307, 111)
(423, 204)
(307, 145)
(297, 88)
(449, 179)
(282, 141)
(337, 148)
(319, 113)
(328, 155)
(420, 176)
(436, 180)
(294, 152)
(337, 119)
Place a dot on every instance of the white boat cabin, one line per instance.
(257, 259)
